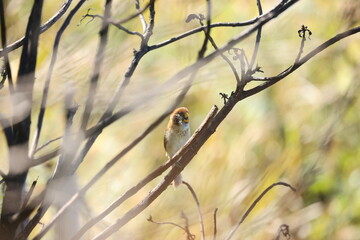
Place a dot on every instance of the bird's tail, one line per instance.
(177, 181)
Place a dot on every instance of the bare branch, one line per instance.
(119, 91)
(15, 180)
(43, 28)
(186, 230)
(202, 230)
(207, 30)
(258, 38)
(140, 11)
(28, 195)
(130, 192)
(252, 206)
(99, 58)
(47, 143)
(141, 16)
(184, 156)
(215, 227)
(272, 80)
(49, 74)
(6, 50)
(112, 22)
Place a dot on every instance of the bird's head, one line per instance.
(180, 117)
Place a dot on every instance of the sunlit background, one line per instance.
(305, 130)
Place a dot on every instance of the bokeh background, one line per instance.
(305, 130)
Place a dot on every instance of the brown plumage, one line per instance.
(176, 135)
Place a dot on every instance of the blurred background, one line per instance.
(305, 130)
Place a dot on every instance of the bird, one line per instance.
(176, 135)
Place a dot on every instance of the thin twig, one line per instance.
(28, 195)
(150, 219)
(141, 16)
(109, 21)
(202, 230)
(186, 219)
(252, 206)
(258, 38)
(47, 143)
(43, 28)
(207, 30)
(215, 227)
(141, 11)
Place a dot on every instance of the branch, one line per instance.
(215, 228)
(5, 51)
(184, 157)
(202, 231)
(47, 143)
(99, 58)
(49, 74)
(43, 28)
(207, 30)
(276, 10)
(130, 192)
(15, 180)
(139, 11)
(272, 80)
(254, 204)
(107, 119)
(186, 230)
(119, 91)
(112, 22)
(141, 16)
(258, 38)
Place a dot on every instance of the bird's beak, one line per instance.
(186, 118)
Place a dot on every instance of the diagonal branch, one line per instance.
(49, 74)
(185, 155)
(272, 80)
(132, 191)
(43, 28)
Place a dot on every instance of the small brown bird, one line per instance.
(176, 135)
